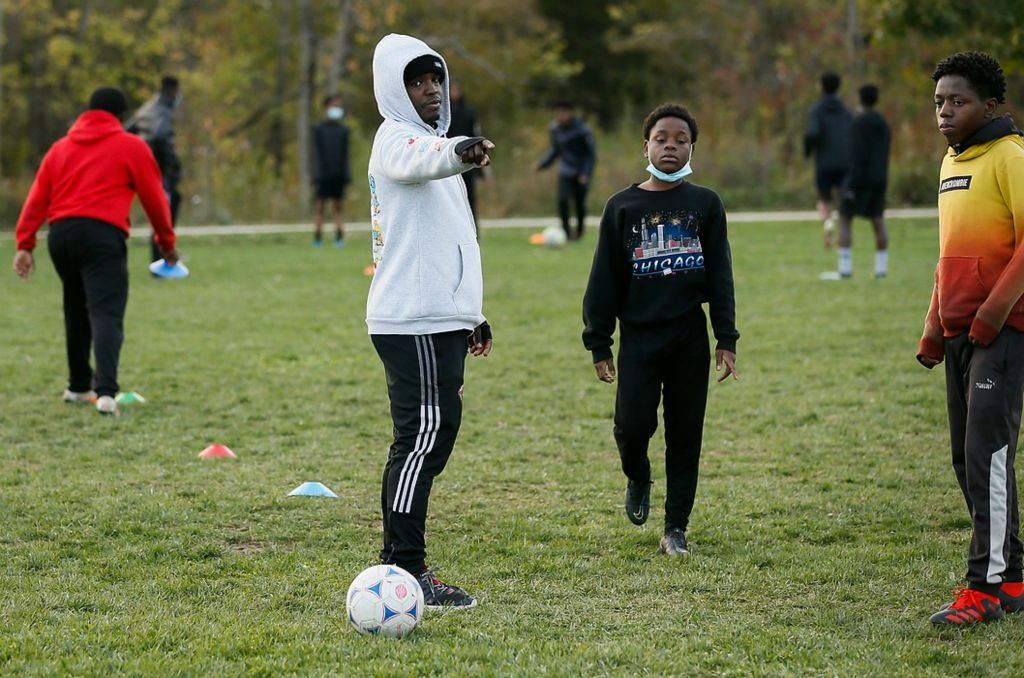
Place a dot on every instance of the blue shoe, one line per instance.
(317, 244)
(339, 243)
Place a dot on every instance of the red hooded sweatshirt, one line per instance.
(94, 172)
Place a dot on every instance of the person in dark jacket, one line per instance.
(572, 142)
(662, 252)
(465, 124)
(154, 122)
(331, 170)
(864, 188)
(828, 140)
(84, 189)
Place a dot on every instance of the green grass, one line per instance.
(828, 525)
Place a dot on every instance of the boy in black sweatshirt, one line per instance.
(661, 253)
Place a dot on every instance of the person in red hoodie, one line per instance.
(84, 189)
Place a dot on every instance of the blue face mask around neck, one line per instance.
(685, 171)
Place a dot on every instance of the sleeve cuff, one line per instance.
(601, 354)
(930, 348)
(983, 333)
(726, 345)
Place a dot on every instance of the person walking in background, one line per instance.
(425, 306)
(84, 189)
(154, 122)
(864, 189)
(828, 140)
(331, 169)
(465, 124)
(975, 322)
(573, 145)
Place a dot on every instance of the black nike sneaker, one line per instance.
(440, 596)
(673, 543)
(638, 502)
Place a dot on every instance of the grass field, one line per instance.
(828, 525)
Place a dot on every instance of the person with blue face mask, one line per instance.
(662, 252)
(331, 174)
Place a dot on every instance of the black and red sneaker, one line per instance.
(1011, 596)
(440, 596)
(969, 607)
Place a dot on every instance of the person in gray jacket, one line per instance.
(425, 306)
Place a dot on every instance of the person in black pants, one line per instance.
(465, 124)
(662, 251)
(424, 311)
(84, 189)
(154, 122)
(572, 141)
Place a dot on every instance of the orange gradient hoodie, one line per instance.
(979, 279)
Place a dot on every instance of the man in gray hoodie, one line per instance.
(425, 306)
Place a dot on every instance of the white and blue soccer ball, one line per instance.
(554, 236)
(384, 600)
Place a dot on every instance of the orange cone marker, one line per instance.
(216, 450)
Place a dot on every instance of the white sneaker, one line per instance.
(106, 405)
(84, 397)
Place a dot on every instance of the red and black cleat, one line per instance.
(970, 607)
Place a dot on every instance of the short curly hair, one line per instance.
(670, 111)
(982, 72)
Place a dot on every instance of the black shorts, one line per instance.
(826, 180)
(330, 188)
(863, 202)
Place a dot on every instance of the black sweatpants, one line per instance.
(91, 258)
(985, 393)
(175, 198)
(669, 364)
(569, 187)
(425, 376)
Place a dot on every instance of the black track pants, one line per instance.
(667, 364)
(91, 259)
(571, 188)
(984, 391)
(425, 375)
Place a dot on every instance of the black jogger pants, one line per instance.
(91, 258)
(984, 393)
(569, 187)
(668, 364)
(425, 376)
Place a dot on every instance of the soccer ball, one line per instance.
(384, 600)
(554, 236)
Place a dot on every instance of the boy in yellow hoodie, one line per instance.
(976, 323)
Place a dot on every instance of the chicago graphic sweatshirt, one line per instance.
(428, 277)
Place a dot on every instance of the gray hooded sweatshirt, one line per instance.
(428, 277)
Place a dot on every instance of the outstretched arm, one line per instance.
(416, 159)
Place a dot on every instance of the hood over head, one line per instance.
(94, 126)
(392, 54)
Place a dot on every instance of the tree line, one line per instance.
(253, 73)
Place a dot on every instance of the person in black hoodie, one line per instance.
(864, 188)
(662, 251)
(828, 140)
(465, 124)
(331, 172)
(572, 141)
